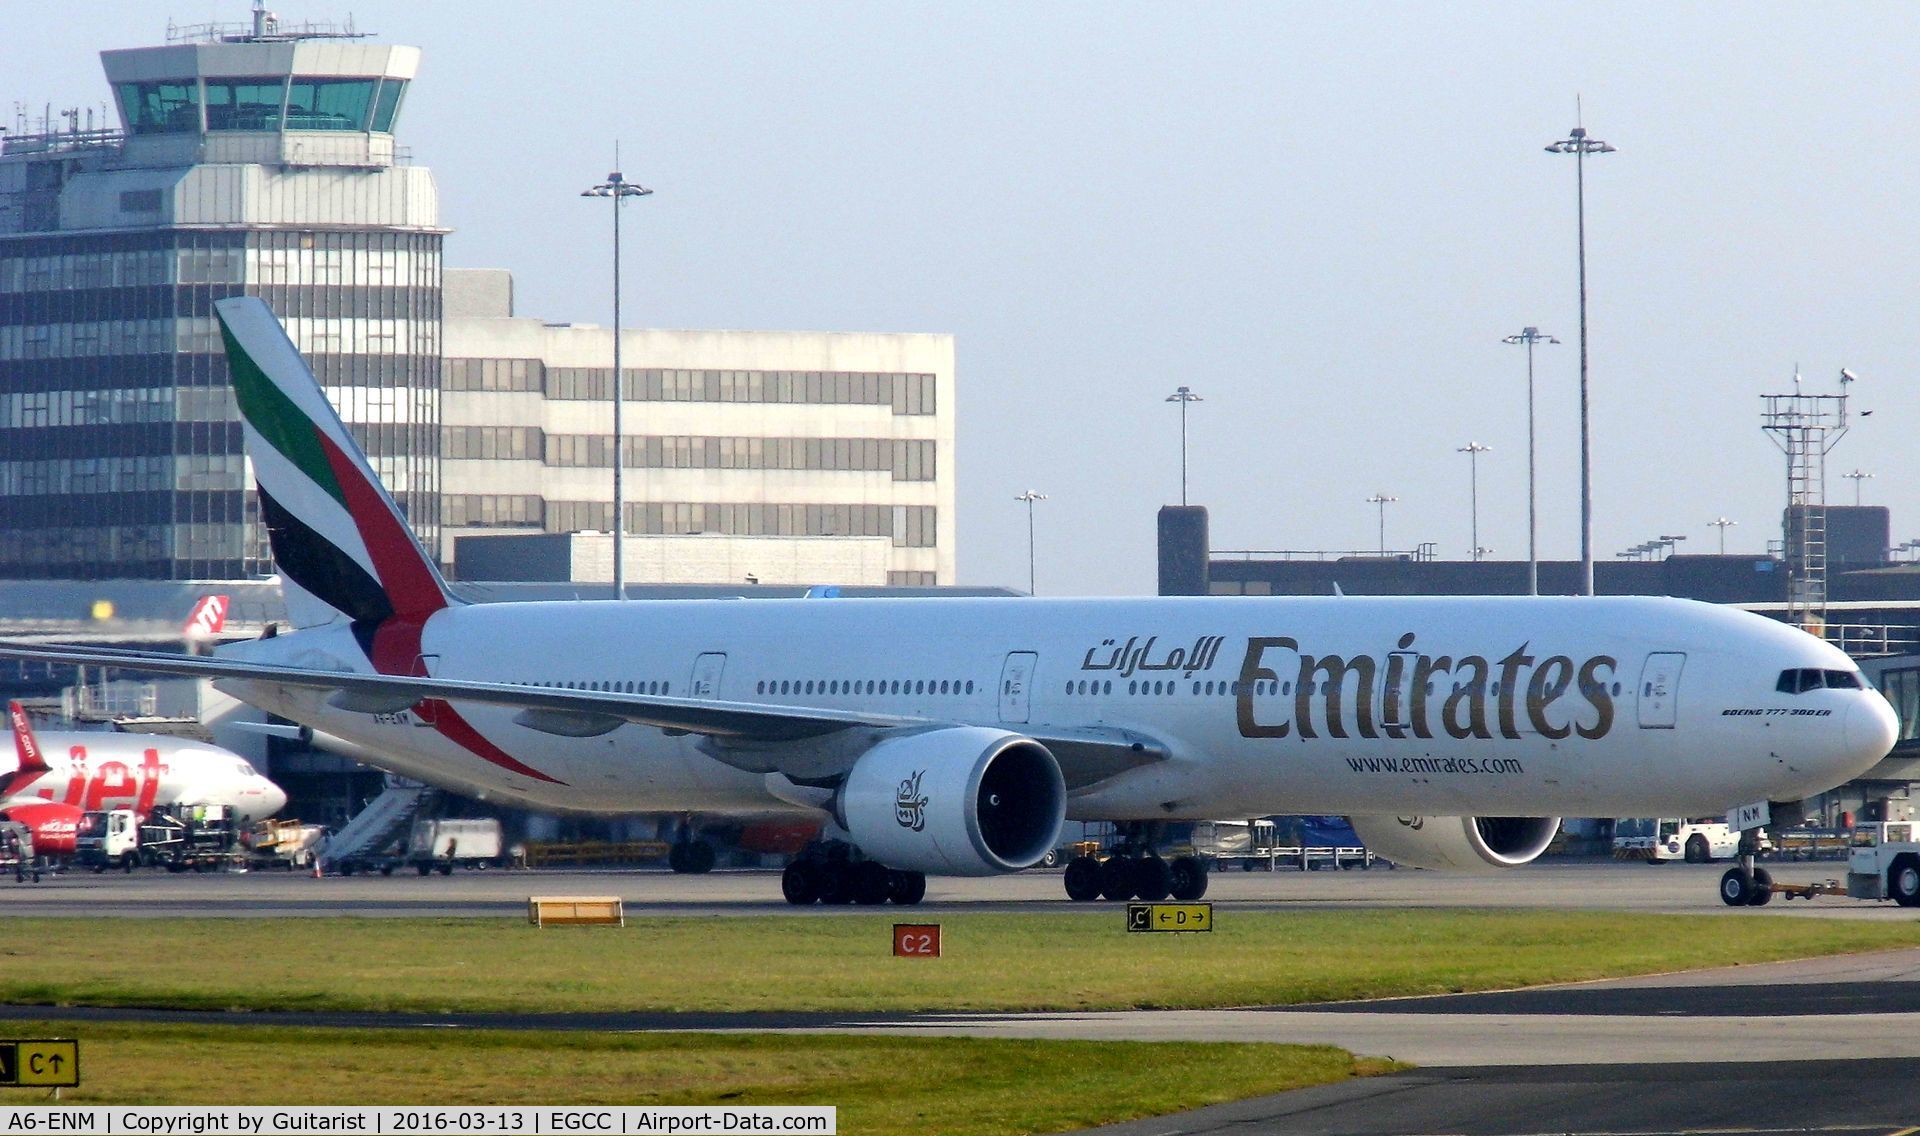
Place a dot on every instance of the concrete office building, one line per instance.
(262, 160)
(257, 161)
(784, 457)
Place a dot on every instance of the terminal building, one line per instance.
(259, 163)
(263, 161)
(773, 457)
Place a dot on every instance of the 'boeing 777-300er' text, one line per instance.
(955, 736)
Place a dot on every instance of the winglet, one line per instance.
(32, 764)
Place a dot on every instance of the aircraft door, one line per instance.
(1659, 699)
(1016, 686)
(706, 675)
(1396, 692)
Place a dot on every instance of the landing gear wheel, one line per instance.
(1152, 879)
(1189, 880)
(1762, 888)
(1083, 879)
(1697, 851)
(693, 858)
(800, 884)
(1116, 878)
(836, 884)
(870, 883)
(1903, 882)
(906, 888)
(1736, 888)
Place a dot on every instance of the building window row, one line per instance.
(200, 335)
(907, 459)
(514, 443)
(905, 393)
(524, 375)
(484, 510)
(91, 475)
(266, 258)
(102, 545)
(910, 526)
(912, 579)
(269, 103)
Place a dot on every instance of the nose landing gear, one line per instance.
(1746, 885)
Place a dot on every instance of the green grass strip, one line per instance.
(844, 962)
(881, 1085)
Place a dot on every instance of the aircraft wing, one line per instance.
(1086, 756)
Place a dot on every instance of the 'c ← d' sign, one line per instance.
(1169, 916)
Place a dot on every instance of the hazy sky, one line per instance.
(1323, 218)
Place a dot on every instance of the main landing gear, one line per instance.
(692, 857)
(1746, 885)
(829, 874)
(1136, 871)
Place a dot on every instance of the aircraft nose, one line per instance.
(1872, 728)
(273, 799)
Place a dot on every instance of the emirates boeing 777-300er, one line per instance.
(955, 736)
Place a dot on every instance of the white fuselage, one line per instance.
(93, 771)
(1475, 706)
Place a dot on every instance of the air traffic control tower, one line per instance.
(252, 160)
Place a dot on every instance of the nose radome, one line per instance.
(276, 799)
(1872, 728)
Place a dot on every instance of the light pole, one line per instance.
(1672, 543)
(1723, 525)
(1473, 450)
(1382, 500)
(1030, 497)
(1183, 396)
(619, 189)
(1579, 145)
(1531, 336)
(1857, 476)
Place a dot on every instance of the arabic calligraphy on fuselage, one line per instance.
(1128, 659)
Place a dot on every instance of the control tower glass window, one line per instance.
(388, 104)
(166, 107)
(245, 104)
(329, 104)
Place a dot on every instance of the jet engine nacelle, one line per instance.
(54, 825)
(961, 801)
(1458, 844)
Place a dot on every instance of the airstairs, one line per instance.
(384, 819)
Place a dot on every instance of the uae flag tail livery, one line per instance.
(341, 544)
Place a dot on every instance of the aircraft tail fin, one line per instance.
(208, 618)
(32, 762)
(342, 545)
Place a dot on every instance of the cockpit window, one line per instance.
(1802, 679)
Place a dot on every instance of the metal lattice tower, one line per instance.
(1806, 427)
